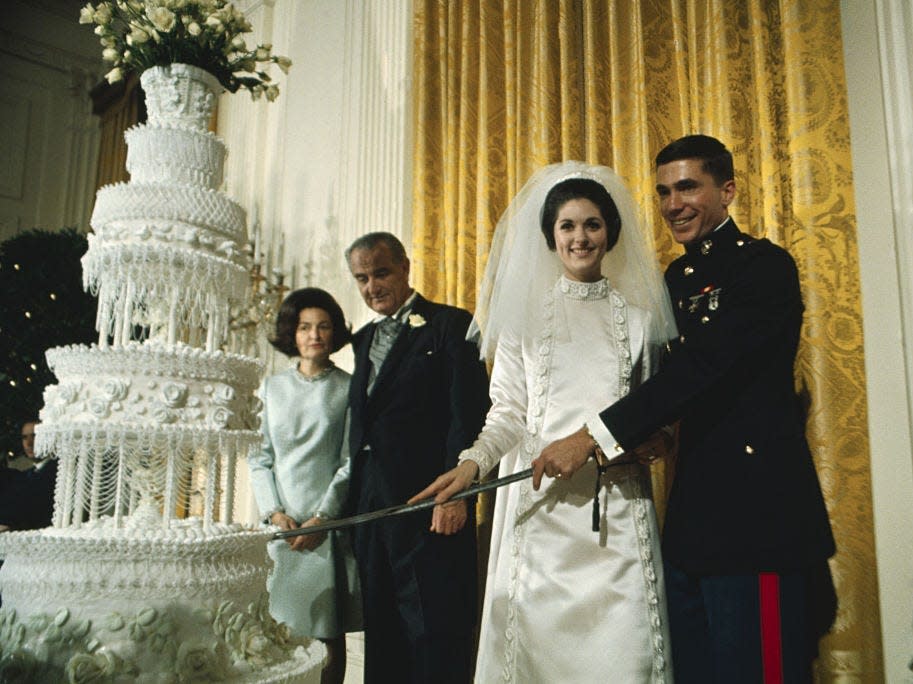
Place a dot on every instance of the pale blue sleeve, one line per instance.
(261, 464)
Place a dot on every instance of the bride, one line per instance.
(574, 319)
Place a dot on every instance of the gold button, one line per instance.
(739, 243)
(705, 247)
(705, 319)
(749, 449)
(689, 270)
(681, 339)
(680, 304)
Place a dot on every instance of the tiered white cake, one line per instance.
(144, 576)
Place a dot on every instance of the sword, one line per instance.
(402, 509)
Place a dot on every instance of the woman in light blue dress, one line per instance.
(301, 477)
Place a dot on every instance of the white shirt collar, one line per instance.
(401, 311)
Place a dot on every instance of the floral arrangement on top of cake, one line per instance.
(138, 34)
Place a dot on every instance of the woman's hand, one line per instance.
(284, 522)
(309, 542)
(452, 482)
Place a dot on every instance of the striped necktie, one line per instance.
(384, 335)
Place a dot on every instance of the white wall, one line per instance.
(331, 158)
(48, 137)
(886, 344)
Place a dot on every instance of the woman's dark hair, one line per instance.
(287, 319)
(580, 188)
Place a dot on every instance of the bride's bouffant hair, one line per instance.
(580, 188)
(287, 319)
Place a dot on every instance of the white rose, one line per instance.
(193, 28)
(115, 389)
(103, 13)
(284, 64)
(262, 54)
(137, 36)
(68, 393)
(99, 407)
(162, 18)
(223, 394)
(163, 415)
(114, 75)
(272, 92)
(198, 662)
(238, 43)
(175, 394)
(87, 14)
(220, 416)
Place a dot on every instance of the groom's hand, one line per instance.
(564, 457)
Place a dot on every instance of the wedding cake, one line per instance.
(143, 575)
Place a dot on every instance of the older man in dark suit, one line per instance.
(747, 536)
(418, 397)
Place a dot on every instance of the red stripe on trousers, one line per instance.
(771, 636)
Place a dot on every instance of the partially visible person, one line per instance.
(300, 478)
(746, 537)
(26, 459)
(419, 395)
(576, 317)
(27, 487)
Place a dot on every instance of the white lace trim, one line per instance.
(538, 398)
(201, 206)
(173, 155)
(157, 359)
(574, 289)
(642, 524)
(154, 285)
(168, 234)
(180, 95)
(134, 469)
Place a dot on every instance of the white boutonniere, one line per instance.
(416, 320)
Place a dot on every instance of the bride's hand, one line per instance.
(452, 482)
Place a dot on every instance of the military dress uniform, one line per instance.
(746, 527)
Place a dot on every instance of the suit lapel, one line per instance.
(363, 364)
(401, 345)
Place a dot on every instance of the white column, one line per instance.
(877, 48)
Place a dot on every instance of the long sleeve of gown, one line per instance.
(335, 497)
(262, 474)
(506, 420)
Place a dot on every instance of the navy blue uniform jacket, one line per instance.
(745, 495)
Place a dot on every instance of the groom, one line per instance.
(747, 537)
(418, 396)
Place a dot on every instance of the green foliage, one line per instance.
(43, 305)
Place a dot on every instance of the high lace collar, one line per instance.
(574, 289)
(316, 377)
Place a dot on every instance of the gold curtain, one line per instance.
(505, 86)
(119, 106)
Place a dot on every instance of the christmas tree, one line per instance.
(43, 305)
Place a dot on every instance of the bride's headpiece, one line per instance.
(521, 269)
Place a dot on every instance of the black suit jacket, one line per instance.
(745, 495)
(428, 403)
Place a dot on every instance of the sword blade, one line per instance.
(402, 509)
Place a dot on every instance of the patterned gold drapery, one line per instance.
(505, 86)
